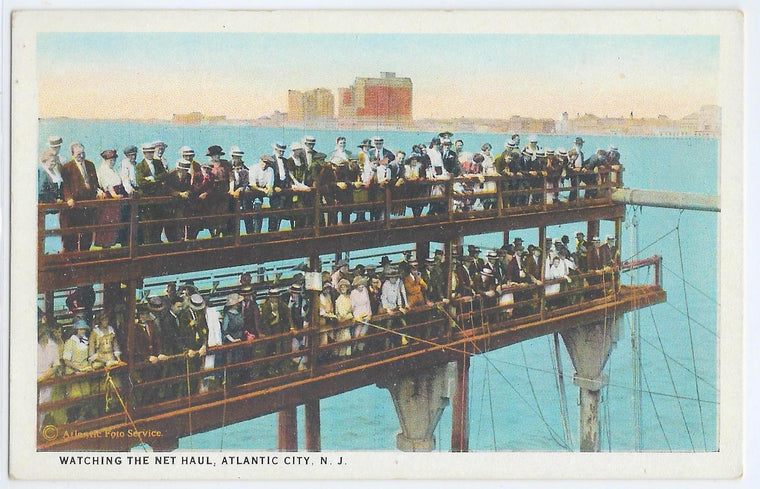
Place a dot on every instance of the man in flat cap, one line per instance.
(151, 174)
(79, 182)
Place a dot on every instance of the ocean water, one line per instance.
(514, 400)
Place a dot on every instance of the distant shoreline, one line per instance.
(428, 128)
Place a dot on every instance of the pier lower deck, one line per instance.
(210, 410)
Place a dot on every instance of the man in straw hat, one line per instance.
(151, 174)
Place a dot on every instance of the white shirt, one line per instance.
(128, 176)
(393, 296)
(281, 168)
(261, 177)
(436, 162)
(108, 177)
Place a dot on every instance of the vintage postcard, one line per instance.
(376, 245)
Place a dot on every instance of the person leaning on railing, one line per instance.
(302, 183)
(75, 357)
(151, 174)
(261, 180)
(80, 182)
(112, 186)
(49, 366)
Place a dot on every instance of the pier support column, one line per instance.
(460, 408)
(592, 230)
(287, 430)
(590, 346)
(312, 428)
(420, 399)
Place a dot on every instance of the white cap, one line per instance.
(186, 150)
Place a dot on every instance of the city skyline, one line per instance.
(537, 76)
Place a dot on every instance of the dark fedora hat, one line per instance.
(215, 150)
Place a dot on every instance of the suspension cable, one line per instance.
(691, 338)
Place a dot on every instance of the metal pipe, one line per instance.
(671, 200)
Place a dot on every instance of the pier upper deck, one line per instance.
(135, 261)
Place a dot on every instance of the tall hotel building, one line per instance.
(384, 101)
(310, 106)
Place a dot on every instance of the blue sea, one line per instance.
(514, 399)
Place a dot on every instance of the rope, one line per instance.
(224, 409)
(672, 381)
(532, 389)
(189, 399)
(674, 360)
(625, 387)
(552, 433)
(700, 291)
(703, 326)
(109, 381)
(559, 381)
(490, 404)
(657, 415)
(691, 338)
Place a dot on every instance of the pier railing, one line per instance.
(89, 400)
(125, 231)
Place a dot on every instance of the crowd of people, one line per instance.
(201, 190)
(173, 332)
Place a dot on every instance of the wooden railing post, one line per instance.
(542, 268)
(317, 213)
(40, 234)
(450, 198)
(388, 205)
(314, 266)
(133, 205)
(236, 212)
(130, 322)
(500, 197)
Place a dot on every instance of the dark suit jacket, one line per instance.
(149, 188)
(385, 154)
(74, 186)
(451, 163)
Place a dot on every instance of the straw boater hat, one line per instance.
(236, 151)
(273, 293)
(327, 283)
(343, 282)
(55, 141)
(298, 288)
(186, 150)
(233, 299)
(184, 165)
(196, 302)
(365, 143)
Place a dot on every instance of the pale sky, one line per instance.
(247, 75)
